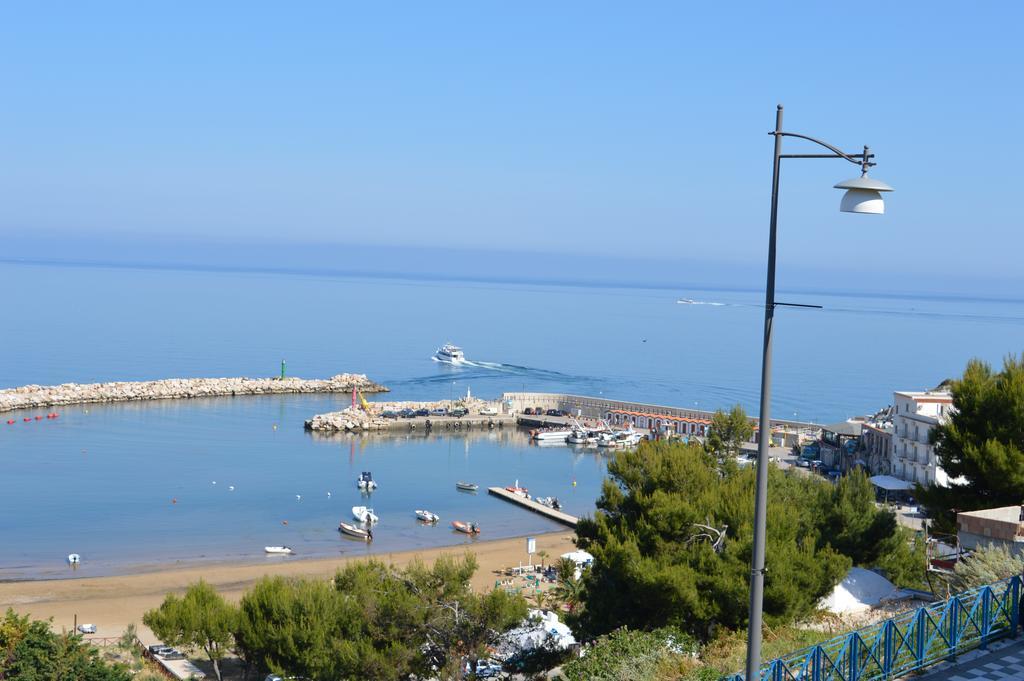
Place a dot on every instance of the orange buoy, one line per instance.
(174, 501)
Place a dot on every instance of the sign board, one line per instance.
(531, 545)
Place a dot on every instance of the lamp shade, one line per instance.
(863, 195)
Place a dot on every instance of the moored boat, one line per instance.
(550, 502)
(354, 531)
(518, 491)
(278, 550)
(468, 528)
(366, 482)
(467, 486)
(364, 514)
(427, 516)
(555, 435)
(74, 559)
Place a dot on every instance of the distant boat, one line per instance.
(279, 550)
(427, 516)
(686, 301)
(366, 482)
(468, 528)
(451, 354)
(552, 436)
(354, 531)
(74, 559)
(364, 514)
(518, 491)
(467, 486)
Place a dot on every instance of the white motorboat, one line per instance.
(550, 502)
(366, 482)
(74, 559)
(559, 435)
(357, 532)
(427, 516)
(466, 486)
(364, 514)
(278, 550)
(452, 354)
(579, 436)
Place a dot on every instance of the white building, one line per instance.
(914, 416)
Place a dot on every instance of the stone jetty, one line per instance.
(356, 420)
(44, 396)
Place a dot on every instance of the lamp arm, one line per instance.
(863, 161)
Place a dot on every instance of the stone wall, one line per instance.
(37, 396)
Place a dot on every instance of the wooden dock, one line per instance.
(531, 505)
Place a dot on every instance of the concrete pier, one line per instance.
(531, 505)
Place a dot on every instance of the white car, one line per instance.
(488, 411)
(487, 668)
(87, 628)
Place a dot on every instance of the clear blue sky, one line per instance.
(581, 127)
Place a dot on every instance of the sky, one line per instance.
(605, 130)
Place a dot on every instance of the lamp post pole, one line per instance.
(764, 434)
(862, 196)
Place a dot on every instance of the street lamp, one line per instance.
(863, 195)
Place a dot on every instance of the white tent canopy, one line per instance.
(860, 590)
(891, 484)
(579, 557)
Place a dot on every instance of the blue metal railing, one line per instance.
(908, 642)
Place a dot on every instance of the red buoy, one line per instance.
(27, 419)
(10, 421)
(39, 418)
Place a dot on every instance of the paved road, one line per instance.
(1004, 661)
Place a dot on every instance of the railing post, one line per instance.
(816, 673)
(986, 610)
(920, 637)
(776, 670)
(853, 657)
(1015, 606)
(954, 620)
(887, 660)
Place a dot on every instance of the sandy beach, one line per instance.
(111, 603)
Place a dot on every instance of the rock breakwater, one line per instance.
(41, 396)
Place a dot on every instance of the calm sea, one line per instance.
(100, 480)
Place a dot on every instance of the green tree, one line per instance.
(569, 588)
(629, 655)
(672, 540)
(199, 619)
(983, 442)
(30, 651)
(373, 621)
(871, 537)
(728, 431)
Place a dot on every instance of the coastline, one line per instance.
(114, 602)
(66, 394)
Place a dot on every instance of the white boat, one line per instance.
(366, 482)
(550, 502)
(427, 516)
(579, 436)
(278, 550)
(467, 486)
(364, 514)
(353, 531)
(559, 435)
(74, 559)
(452, 354)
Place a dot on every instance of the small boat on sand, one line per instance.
(353, 531)
(366, 482)
(364, 514)
(427, 516)
(278, 550)
(518, 491)
(468, 528)
(467, 486)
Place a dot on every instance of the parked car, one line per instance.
(802, 462)
(528, 411)
(440, 411)
(422, 412)
(458, 411)
(488, 411)
(487, 668)
(407, 413)
(173, 654)
(87, 628)
(390, 414)
(157, 648)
